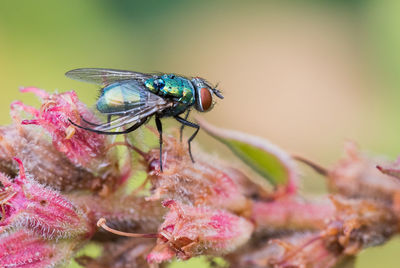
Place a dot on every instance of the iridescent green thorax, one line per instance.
(118, 97)
(170, 85)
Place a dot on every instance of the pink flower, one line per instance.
(356, 176)
(28, 205)
(206, 182)
(23, 249)
(82, 147)
(38, 226)
(191, 231)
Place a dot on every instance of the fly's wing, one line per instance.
(148, 105)
(104, 77)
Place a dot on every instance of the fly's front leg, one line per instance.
(182, 126)
(159, 128)
(189, 124)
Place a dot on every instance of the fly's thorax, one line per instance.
(177, 109)
(119, 97)
(172, 86)
(203, 94)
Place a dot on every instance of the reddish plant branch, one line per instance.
(57, 182)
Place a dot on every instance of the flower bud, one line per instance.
(191, 231)
(46, 165)
(83, 148)
(205, 182)
(24, 249)
(31, 206)
(356, 176)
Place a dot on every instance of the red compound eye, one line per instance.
(206, 99)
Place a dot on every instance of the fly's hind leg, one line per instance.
(88, 122)
(184, 122)
(96, 125)
(128, 130)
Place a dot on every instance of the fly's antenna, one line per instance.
(216, 91)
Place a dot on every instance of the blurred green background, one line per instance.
(305, 74)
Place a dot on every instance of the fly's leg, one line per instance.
(128, 130)
(96, 125)
(189, 124)
(89, 123)
(159, 128)
(109, 119)
(182, 126)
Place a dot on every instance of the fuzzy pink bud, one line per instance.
(24, 249)
(190, 231)
(356, 176)
(205, 182)
(82, 147)
(27, 204)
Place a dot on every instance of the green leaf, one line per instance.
(265, 158)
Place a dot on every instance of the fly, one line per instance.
(130, 98)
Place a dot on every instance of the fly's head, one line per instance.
(204, 94)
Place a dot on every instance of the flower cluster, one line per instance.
(62, 186)
(38, 225)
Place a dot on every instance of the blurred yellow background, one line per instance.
(305, 74)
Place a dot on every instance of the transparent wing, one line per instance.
(139, 111)
(136, 115)
(103, 77)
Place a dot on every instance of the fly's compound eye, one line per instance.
(159, 83)
(205, 99)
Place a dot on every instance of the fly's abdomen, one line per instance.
(119, 97)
